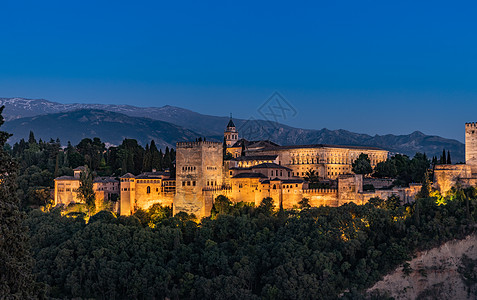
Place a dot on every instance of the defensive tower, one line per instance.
(198, 166)
(471, 145)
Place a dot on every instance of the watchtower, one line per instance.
(471, 144)
(198, 166)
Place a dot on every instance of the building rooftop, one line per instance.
(105, 180)
(255, 157)
(255, 144)
(80, 168)
(231, 123)
(128, 175)
(152, 175)
(66, 178)
(321, 146)
(270, 166)
(250, 175)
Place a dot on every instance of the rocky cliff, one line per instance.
(446, 272)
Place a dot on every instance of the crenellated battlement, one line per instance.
(196, 144)
(471, 125)
(320, 191)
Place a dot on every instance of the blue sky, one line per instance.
(373, 67)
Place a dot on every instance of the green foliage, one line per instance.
(248, 252)
(304, 203)
(16, 279)
(266, 206)
(402, 168)
(222, 205)
(40, 162)
(426, 188)
(85, 191)
(312, 176)
(362, 165)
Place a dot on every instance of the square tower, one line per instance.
(471, 145)
(198, 166)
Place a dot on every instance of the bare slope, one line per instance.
(439, 273)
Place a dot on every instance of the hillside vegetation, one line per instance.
(241, 251)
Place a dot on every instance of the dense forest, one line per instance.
(240, 251)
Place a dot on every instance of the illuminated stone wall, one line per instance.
(447, 176)
(471, 145)
(327, 161)
(198, 166)
(65, 191)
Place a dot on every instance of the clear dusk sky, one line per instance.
(372, 67)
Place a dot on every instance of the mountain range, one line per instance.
(168, 125)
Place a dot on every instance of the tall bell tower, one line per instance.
(231, 133)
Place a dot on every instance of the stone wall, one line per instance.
(447, 176)
(65, 191)
(198, 165)
(327, 161)
(471, 145)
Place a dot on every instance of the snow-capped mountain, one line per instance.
(19, 113)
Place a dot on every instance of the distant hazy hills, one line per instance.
(169, 124)
(88, 123)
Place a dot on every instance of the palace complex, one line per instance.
(256, 170)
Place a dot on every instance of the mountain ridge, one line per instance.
(213, 127)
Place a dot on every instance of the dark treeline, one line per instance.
(39, 162)
(241, 252)
(404, 169)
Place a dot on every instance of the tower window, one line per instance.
(148, 190)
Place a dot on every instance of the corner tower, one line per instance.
(471, 144)
(230, 134)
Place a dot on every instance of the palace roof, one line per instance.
(255, 144)
(66, 178)
(105, 180)
(128, 175)
(152, 175)
(318, 146)
(250, 175)
(270, 166)
(255, 157)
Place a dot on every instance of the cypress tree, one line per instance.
(31, 138)
(156, 157)
(443, 159)
(449, 162)
(16, 279)
(167, 162)
(147, 161)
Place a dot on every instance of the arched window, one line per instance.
(148, 189)
(274, 186)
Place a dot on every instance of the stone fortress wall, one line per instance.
(464, 175)
(265, 169)
(198, 165)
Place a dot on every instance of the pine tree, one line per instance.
(16, 279)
